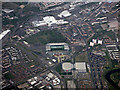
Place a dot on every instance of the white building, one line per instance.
(61, 22)
(91, 44)
(3, 34)
(39, 23)
(48, 20)
(94, 41)
(100, 42)
(80, 66)
(50, 75)
(65, 13)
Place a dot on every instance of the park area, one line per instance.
(48, 36)
(81, 57)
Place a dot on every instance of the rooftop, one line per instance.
(67, 66)
(81, 66)
(64, 13)
(48, 20)
(3, 34)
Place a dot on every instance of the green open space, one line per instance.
(82, 57)
(8, 76)
(110, 63)
(10, 5)
(54, 6)
(31, 8)
(59, 68)
(87, 5)
(115, 77)
(48, 36)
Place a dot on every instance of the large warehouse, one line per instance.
(57, 46)
(80, 66)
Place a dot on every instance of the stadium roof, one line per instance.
(67, 66)
(3, 34)
(66, 47)
(64, 13)
(56, 43)
(7, 10)
(80, 66)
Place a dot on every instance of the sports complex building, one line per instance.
(78, 66)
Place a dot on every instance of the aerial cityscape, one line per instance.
(60, 45)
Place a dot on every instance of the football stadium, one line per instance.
(57, 46)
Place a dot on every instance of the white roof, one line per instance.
(81, 66)
(64, 13)
(57, 44)
(67, 66)
(35, 78)
(53, 60)
(99, 41)
(39, 23)
(61, 22)
(94, 41)
(33, 82)
(50, 75)
(48, 20)
(91, 44)
(3, 34)
(8, 10)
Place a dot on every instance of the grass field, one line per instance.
(59, 68)
(8, 76)
(82, 57)
(44, 37)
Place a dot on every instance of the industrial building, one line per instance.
(48, 20)
(57, 46)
